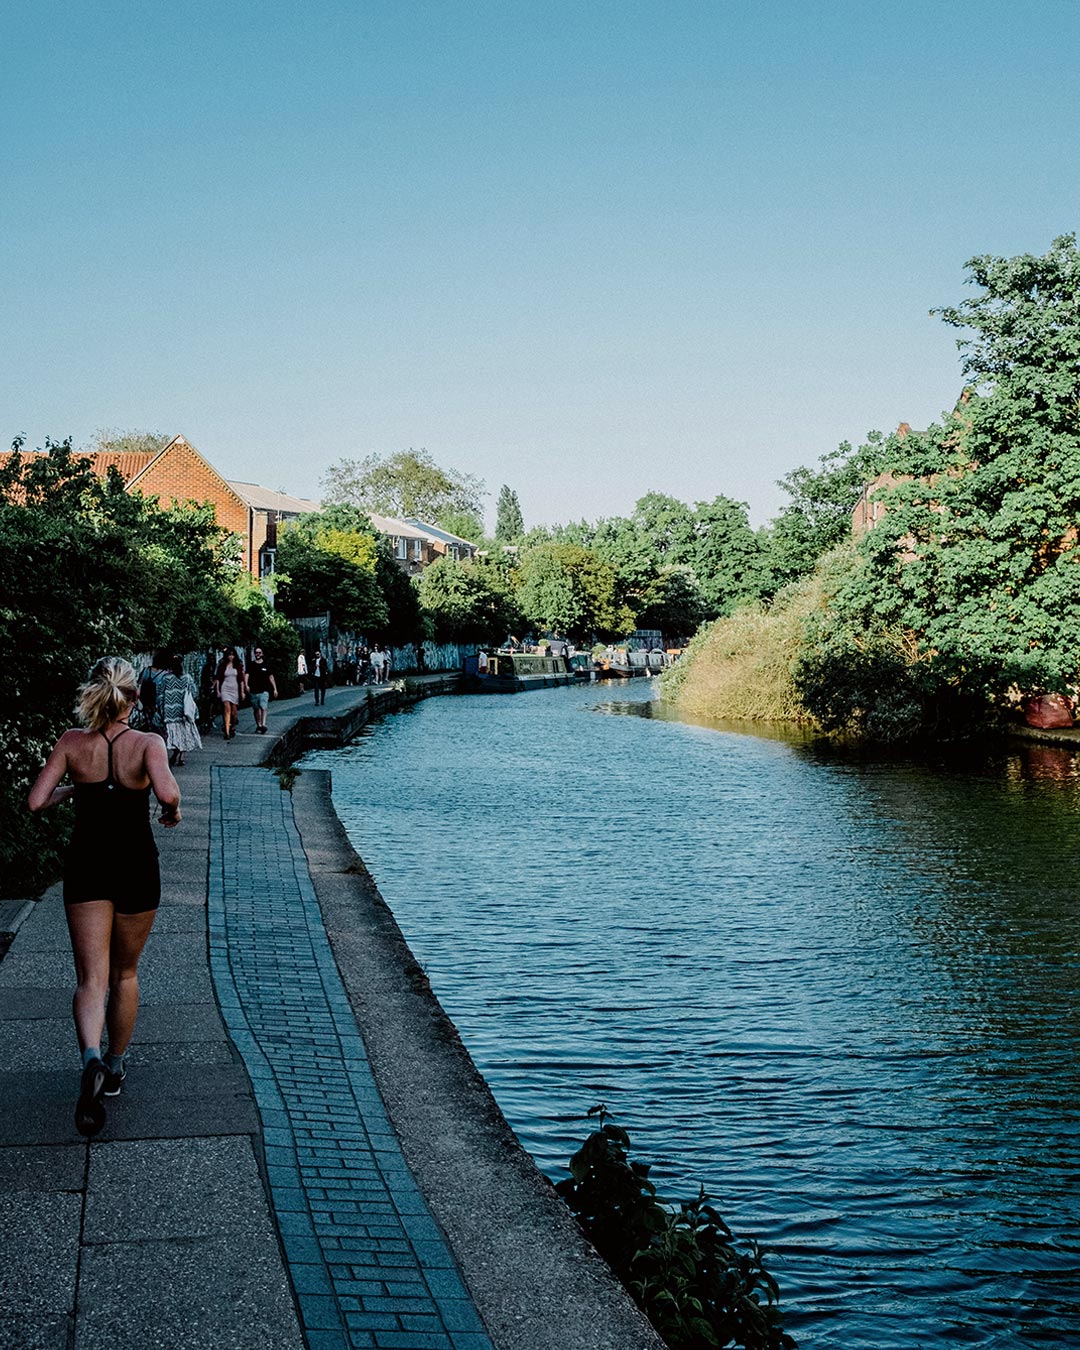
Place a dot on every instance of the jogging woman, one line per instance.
(111, 880)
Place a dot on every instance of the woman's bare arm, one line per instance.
(46, 791)
(165, 786)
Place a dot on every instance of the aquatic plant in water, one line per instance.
(680, 1264)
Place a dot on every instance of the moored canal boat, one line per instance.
(514, 672)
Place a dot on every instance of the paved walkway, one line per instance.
(368, 1262)
(249, 1191)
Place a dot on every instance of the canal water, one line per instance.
(840, 992)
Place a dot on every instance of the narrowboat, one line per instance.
(514, 672)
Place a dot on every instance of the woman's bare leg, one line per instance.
(90, 925)
(129, 935)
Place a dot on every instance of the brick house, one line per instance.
(417, 545)
(178, 473)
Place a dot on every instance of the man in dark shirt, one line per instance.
(261, 687)
(319, 675)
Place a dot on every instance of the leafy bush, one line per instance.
(88, 570)
(467, 601)
(681, 1265)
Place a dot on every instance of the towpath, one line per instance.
(304, 1153)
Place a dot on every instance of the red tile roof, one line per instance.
(129, 462)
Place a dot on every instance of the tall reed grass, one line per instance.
(741, 667)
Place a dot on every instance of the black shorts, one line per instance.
(132, 883)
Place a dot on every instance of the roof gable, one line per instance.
(150, 478)
(127, 462)
(443, 536)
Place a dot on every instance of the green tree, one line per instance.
(467, 601)
(975, 566)
(509, 522)
(569, 590)
(728, 558)
(407, 484)
(675, 605)
(817, 518)
(404, 617)
(620, 543)
(465, 524)
(668, 526)
(328, 563)
(88, 570)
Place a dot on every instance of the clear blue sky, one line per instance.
(588, 249)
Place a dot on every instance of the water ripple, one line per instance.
(839, 991)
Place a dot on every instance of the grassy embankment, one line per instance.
(741, 668)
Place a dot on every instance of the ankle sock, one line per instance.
(91, 1052)
(114, 1063)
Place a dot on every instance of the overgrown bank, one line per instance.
(959, 595)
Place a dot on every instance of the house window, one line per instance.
(453, 551)
(399, 547)
(266, 561)
(417, 549)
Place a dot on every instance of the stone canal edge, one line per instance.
(306, 1154)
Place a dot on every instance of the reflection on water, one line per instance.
(839, 990)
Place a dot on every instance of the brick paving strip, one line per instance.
(368, 1262)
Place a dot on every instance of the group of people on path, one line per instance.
(168, 698)
(315, 673)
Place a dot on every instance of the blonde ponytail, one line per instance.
(110, 690)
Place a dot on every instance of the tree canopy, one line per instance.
(509, 522)
(569, 590)
(467, 601)
(405, 484)
(971, 579)
(327, 563)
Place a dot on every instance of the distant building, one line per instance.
(177, 473)
(417, 545)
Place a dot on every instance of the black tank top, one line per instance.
(106, 810)
(112, 855)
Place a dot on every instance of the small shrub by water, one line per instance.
(680, 1264)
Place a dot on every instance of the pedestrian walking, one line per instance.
(378, 663)
(151, 709)
(262, 687)
(230, 686)
(319, 675)
(208, 700)
(302, 669)
(112, 885)
(181, 714)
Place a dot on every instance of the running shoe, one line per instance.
(114, 1082)
(89, 1111)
